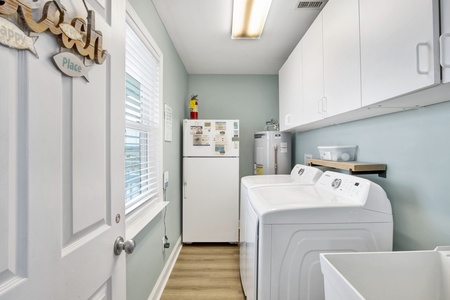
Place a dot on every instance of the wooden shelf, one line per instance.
(353, 167)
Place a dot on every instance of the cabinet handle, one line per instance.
(185, 190)
(442, 39)
(418, 46)
(324, 105)
(287, 119)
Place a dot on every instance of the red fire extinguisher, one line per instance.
(193, 107)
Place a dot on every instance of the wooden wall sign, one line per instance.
(71, 65)
(33, 4)
(11, 36)
(76, 35)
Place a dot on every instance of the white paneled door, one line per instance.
(61, 167)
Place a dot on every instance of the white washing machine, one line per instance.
(300, 175)
(291, 225)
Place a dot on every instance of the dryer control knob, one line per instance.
(336, 183)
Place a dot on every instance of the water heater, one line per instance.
(272, 153)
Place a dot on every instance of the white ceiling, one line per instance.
(201, 33)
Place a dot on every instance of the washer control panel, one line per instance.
(345, 186)
(305, 174)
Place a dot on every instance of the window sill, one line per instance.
(140, 218)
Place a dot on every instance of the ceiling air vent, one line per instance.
(312, 4)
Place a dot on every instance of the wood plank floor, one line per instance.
(205, 272)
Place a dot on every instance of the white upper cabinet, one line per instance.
(341, 56)
(314, 104)
(399, 51)
(331, 62)
(384, 55)
(445, 40)
(290, 87)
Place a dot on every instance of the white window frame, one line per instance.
(138, 218)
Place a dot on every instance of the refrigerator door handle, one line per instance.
(184, 190)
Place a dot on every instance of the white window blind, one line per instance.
(142, 114)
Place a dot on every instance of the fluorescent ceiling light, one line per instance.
(249, 17)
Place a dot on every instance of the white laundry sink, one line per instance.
(411, 275)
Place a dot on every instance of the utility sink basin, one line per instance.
(409, 275)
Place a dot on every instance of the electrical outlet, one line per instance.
(165, 243)
(306, 157)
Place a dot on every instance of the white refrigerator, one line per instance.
(210, 181)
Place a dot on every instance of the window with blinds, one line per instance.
(142, 114)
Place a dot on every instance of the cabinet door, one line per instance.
(314, 107)
(290, 87)
(341, 56)
(398, 47)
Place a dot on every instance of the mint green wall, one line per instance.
(253, 99)
(144, 266)
(415, 145)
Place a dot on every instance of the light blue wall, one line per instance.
(415, 145)
(145, 265)
(253, 99)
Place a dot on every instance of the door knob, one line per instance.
(120, 245)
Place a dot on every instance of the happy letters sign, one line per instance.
(77, 35)
(11, 36)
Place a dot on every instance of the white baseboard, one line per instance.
(165, 274)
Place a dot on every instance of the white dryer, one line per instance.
(300, 175)
(291, 225)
